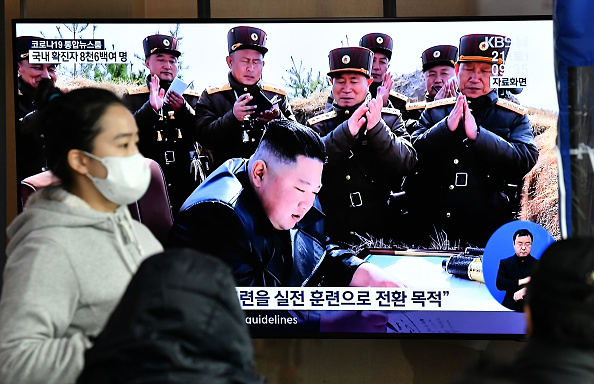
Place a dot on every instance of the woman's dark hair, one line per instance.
(69, 121)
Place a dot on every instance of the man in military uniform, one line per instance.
(381, 45)
(31, 157)
(440, 80)
(165, 119)
(473, 152)
(231, 117)
(369, 151)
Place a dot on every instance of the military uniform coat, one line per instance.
(31, 157)
(469, 188)
(218, 129)
(168, 138)
(361, 172)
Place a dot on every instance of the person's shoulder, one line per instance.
(192, 92)
(441, 103)
(138, 90)
(218, 88)
(274, 88)
(508, 259)
(398, 95)
(411, 106)
(511, 106)
(391, 111)
(222, 186)
(321, 118)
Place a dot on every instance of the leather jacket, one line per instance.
(217, 128)
(224, 218)
(361, 171)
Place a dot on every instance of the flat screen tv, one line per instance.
(450, 290)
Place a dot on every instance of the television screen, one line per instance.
(450, 286)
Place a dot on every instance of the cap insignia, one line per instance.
(254, 36)
(379, 40)
(166, 42)
(436, 54)
(483, 46)
(346, 59)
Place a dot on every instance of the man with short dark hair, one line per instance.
(261, 216)
(231, 116)
(369, 152)
(514, 272)
(473, 152)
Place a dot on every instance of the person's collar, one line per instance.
(348, 111)
(26, 89)
(164, 84)
(240, 88)
(484, 101)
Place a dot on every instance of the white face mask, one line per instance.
(127, 180)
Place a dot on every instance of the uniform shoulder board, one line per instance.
(137, 90)
(273, 88)
(398, 95)
(192, 92)
(391, 111)
(416, 105)
(319, 118)
(218, 88)
(517, 108)
(440, 102)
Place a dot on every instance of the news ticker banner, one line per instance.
(61, 51)
(78, 57)
(368, 298)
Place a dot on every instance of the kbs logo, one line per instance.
(496, 42)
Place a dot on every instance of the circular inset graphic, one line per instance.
(510, 254)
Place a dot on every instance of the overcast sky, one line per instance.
(204, 47)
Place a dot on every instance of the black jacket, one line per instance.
(179, 321)
(168, 138)
(469, 189)
(508, 274)
(361, 172)
(546, 362)
(224, 217)
(217, 128)
(30, 152)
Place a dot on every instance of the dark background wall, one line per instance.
(285, 361)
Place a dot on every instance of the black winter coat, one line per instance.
(468, 189)
(361, 172)
(217, 128)
(179, 321)
(167, 138)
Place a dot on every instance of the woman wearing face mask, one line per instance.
(74, 249)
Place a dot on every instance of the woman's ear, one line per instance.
(78, 161)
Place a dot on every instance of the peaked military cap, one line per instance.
(350, 59)
(378, 42)
(484, 48)
(23, 43)
(160, 44)
(439, 55)
(247, 38)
